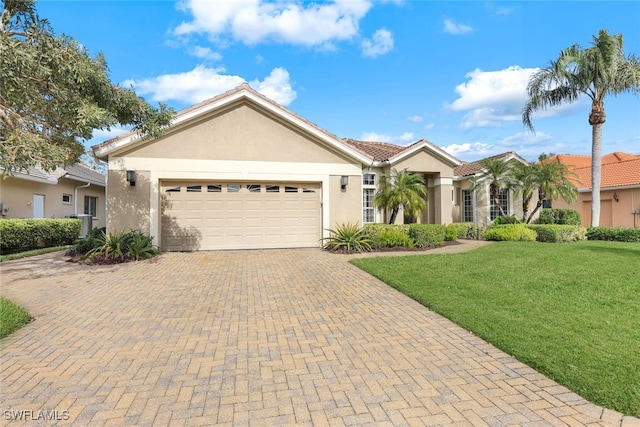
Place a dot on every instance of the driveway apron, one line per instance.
(274, 337)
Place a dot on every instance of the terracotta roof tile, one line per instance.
(618, 169)
(380, 151)
(472, 168)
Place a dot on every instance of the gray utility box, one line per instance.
(86, 224)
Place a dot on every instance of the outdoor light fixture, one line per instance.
(131, 178)
(615, 197)
(344, 181)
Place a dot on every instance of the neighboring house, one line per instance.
(240, 171)
(619, 191)
(477, 205)
(62, 193)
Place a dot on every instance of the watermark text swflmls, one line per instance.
(39, 415)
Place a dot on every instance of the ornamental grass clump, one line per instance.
(347, 238)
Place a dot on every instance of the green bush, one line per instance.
(559, 216)
(19, 235)
(512, 232)
(508, 219)
(557, 233)
(348, 238)
(392, 238)
(121, 247)
(619, 234)
(467, 230)
(427, 235)
(91, 241)
(450, 233)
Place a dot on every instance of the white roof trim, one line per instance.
(429, 146)
(248, 94)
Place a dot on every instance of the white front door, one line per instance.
(38, 206)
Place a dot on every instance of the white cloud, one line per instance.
(473, 150)
(429, 126)
(379, 44)
(415, 119)
(202, 83)
(276, 86)
(497, 97)
(403, 139)
(205, 53)
(455, 28)
(254, 21)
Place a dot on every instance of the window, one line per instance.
(288, 189)
(273, 188)
(194, 189)
(503, 199)
(467, 206)
(546, 204)
(369, 179)
(368, 211)
(253, 188)
(90, 205)
(173, 190)
(66, 199)
(216, 188)
(233, 188)
(308, 190)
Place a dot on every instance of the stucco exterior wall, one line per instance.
(612, 213)
(129, 207)
(17, 194)
(346, 205)
(425, 163)
(238, 133)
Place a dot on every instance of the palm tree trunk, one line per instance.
(596, 172)
(394, 213)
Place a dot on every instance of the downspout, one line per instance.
(75, 197)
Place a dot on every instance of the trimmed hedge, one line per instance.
(510, 232)
(618, 234)
(19, 235)
(417, 235)
(558, 233)
(466, 230)
(559, 216)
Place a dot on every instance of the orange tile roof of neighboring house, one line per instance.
(472, 168)
(618, 169)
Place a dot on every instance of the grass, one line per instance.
(569, 310)
(12, 317)
(20, 255)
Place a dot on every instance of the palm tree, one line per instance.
(498, 173)
(401, 189)
(597, 71)
(552, 182)
(525, 178)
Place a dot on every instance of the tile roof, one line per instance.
(380, 151)
(472, 168)
(77, 172)
(618, 169)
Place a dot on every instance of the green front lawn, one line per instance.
(569, 310)
(12, 317)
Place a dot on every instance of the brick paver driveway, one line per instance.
(277, 337)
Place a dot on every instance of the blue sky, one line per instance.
(453, 72)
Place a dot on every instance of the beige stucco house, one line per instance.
(619, 188)
(240, 171)
(64, 192)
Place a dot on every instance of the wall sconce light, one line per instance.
(131, 178)
(344, 181)
(615, 197)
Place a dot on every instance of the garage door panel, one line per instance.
(259, 215)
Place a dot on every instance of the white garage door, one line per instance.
(239, 215)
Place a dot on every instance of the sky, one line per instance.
(452, 72)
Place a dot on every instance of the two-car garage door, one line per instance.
(239, 215)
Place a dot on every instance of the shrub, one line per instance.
(90, 241)
(392, 238)
(619, 234)
(512, 232)
(427, 235)
(450, 233)
(507, 219)
(467, 230)
(121, 247)
(559, 216)
(556, 233)
(19, 235)
(347, 238)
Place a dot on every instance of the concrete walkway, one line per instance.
(278, 337)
